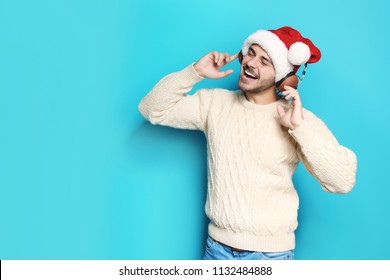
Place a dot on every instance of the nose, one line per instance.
(251, 62)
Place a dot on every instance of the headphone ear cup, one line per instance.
(291, 81)
(240, 57)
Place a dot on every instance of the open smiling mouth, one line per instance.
(249, 74)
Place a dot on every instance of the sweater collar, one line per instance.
(247, 104)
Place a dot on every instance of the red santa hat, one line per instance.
(286, 47)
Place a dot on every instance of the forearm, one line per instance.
(168, 104)
(166, 93)
(333, 165)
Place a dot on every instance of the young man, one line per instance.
(255, 140)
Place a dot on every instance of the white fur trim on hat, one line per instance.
(274, 47)
(299, 53)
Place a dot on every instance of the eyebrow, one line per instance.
(262, 57)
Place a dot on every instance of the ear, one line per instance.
(240, 57)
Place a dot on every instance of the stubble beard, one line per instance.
(259, 89)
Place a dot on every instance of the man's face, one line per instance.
(257, 71)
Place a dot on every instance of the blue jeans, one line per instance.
(217, 251)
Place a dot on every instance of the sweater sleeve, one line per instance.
(333, 165)
(169, 104)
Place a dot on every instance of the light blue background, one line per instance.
(83, 176)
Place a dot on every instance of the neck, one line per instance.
(262, 98)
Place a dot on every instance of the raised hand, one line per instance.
(209, 66)
(294, 115)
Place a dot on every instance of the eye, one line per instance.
(264, 62)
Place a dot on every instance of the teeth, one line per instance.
(250, 74)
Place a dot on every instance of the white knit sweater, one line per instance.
(251, 201)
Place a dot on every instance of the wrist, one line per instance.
(197, 70)
(295, 126)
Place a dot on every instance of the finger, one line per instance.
(221, 59)
(216, 57)
(233, 57)
(290, 92)
(292, 96)
(230, 58)
(296, 100)
(281, 111)
(285, 92)
(224, 74)
(288, 96)
(226, 58)
(288, 87)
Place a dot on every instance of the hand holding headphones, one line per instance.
(293, 117)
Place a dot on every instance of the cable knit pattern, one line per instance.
(251, 201)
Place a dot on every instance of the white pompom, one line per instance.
(299, 53)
